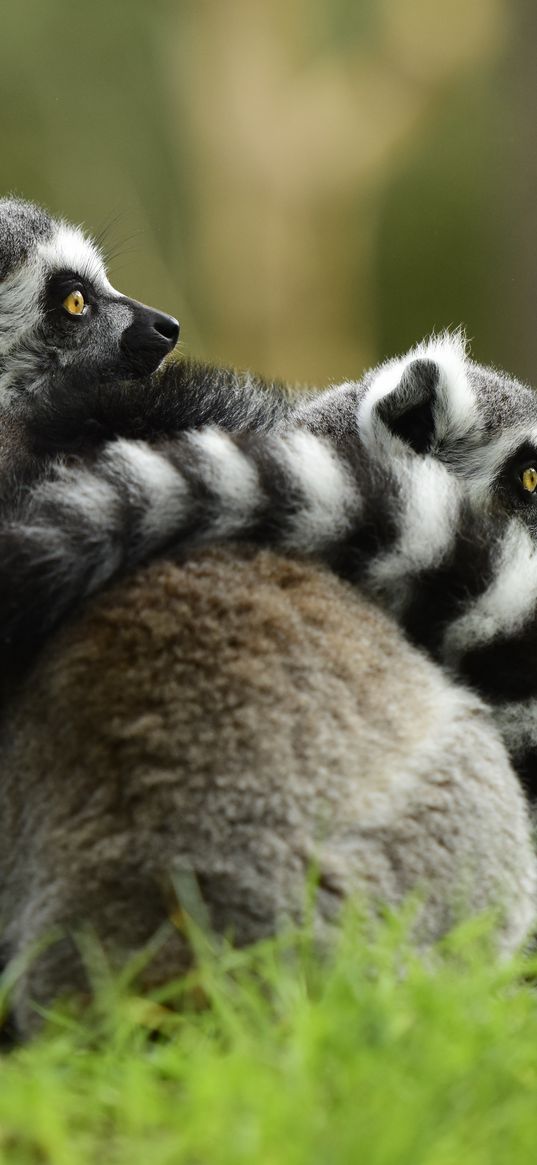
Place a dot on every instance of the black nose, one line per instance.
(149, 337)
(167, 327)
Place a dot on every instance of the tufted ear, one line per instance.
(422, 400)
(408, 410)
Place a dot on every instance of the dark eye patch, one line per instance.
(61, 284)
(511, 478)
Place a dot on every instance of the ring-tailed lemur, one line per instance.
(77, 358)
(242, 715)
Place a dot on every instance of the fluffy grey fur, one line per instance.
(22, 227)
(221, 728)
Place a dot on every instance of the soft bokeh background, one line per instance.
(310, 185)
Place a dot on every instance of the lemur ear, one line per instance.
(408, 410)
(421, 400)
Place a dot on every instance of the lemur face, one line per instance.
(59, 312)
(479, 422)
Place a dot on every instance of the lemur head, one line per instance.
(480, 422)
(59, 312)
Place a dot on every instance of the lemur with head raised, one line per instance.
(77, 357)
(242, 715)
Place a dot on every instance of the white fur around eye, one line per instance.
(70, 250)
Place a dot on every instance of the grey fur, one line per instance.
(22, 225)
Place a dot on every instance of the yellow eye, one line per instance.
(74, 303)
(529, 480)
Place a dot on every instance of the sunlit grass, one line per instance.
(274, 1056)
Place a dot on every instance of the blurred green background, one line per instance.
(309, 185)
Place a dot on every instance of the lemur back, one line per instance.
(238, 723)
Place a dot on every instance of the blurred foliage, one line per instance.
(310, 185)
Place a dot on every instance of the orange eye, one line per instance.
(74, 303)
(529, 480)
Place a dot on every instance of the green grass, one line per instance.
(374, 1056)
